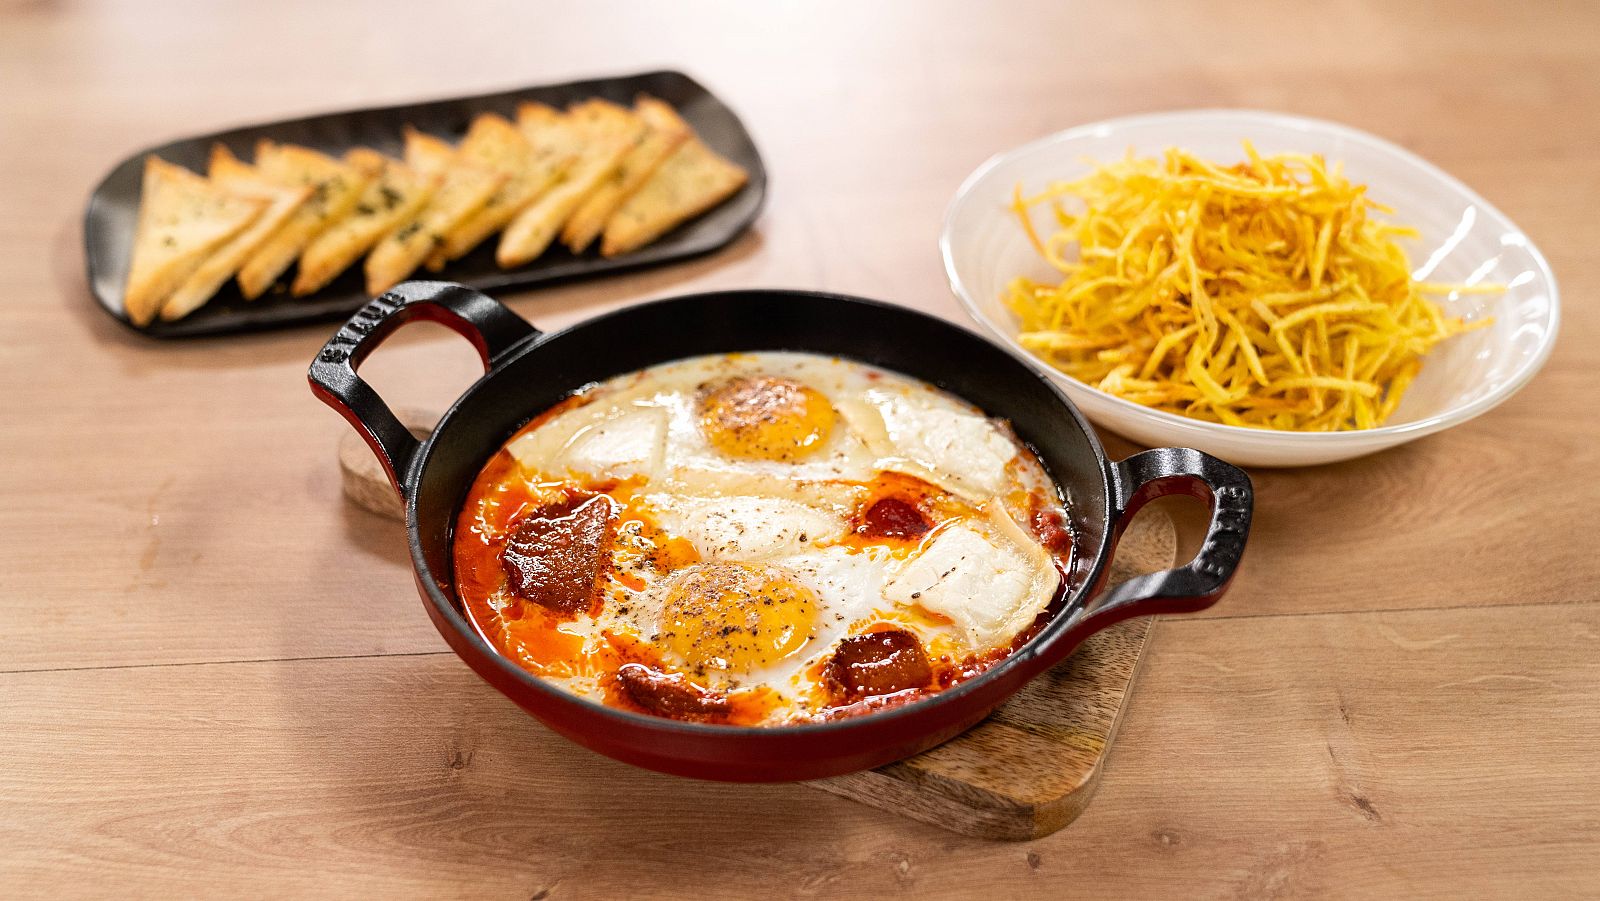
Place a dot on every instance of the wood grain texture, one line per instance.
(1416, 754)
(362, 477)
(168, 512)
(1032, 766)
(1024, 772)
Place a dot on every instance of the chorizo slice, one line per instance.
(877, 664)
(1052, 530)
(555, 556)
(671, 695)
(892, 517)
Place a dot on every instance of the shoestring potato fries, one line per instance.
(1261, 294)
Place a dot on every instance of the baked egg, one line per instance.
(760, 539)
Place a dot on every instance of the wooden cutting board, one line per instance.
(1024, 772)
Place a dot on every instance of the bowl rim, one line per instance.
(1416, 428)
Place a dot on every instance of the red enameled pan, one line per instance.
(527, 371)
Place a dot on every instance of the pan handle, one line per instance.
(484, 321)
(1197, 584)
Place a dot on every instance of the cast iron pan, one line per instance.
(528, 371)
(114, 206)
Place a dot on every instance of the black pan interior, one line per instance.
(891, 337)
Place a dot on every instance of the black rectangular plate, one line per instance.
(114, 206)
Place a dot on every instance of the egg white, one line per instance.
(968, 586)
(847, 586)
(985, 576)
(648, 424)
(744, 528)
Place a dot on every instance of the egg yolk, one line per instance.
(735, 617)
(766, 418)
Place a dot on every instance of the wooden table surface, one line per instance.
(215, 677)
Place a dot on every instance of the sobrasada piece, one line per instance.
(760, 539)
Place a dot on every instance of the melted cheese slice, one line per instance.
(962, 452)
(985, 582)
(588, 441)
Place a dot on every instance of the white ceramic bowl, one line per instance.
(1464, 240)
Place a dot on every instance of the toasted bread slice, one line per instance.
(664, 133)
(530, 168)
(239, 177)
(335, 189)
(463, 190)
(182, 218)
(690, 182)
(537, 118)
(367, 160)
(608, 132)
(555, 136)
(222, 166)
(426, 153)
(394, 196)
